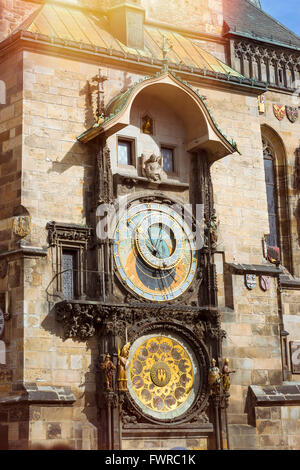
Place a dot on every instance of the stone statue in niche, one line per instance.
(214, 377)
(152, 168)
(122, 363)
(211, 230)
(108, 367)
(226, 371)
(147, 125)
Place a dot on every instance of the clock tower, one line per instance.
(157, 320)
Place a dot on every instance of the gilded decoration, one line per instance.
(122, 365)
(226, 371)
(22, 225)
(161, 374)
(147, 125)
(279, 111)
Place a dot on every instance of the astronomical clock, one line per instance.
(154, 252)
(158, 269)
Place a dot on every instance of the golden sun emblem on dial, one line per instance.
(155, 252)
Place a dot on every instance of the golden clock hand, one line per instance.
(141, 230)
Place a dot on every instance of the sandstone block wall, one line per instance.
(252, 343)
(278, 427)
(13, 13)
(11, 109)
(207, 14)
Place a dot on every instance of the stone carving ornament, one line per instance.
(250, 281)
(78, 320)
(292, 113)
(268, 56)
(21, 225)
(152, 168)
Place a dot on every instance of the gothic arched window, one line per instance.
(272, 239)
(277, 195)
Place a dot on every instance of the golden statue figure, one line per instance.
(108, 367)
(122, 362)
(226, 371)
(214, 377)
(147, 125)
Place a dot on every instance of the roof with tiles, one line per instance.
(243, 16)
(81, 26)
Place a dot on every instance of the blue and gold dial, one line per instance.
(155, 252)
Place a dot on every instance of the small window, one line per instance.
(167, 154)
(125, 152)
(69, 273)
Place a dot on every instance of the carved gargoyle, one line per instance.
(152, 168)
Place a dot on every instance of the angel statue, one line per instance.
(122, 362)
(108, 367)
(214, 377)
(152, 168)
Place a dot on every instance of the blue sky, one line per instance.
(286, 12)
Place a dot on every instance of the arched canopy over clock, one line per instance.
(201, 128)
(154, 250)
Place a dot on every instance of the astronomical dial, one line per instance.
(155, 252)
(163, 375)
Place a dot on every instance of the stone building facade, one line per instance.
(152, 107)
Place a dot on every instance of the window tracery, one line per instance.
(277, 196)
(277, 67)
